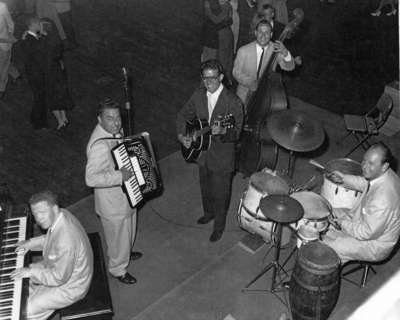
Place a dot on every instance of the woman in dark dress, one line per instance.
(58, 98)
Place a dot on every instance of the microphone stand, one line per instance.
(127, 102)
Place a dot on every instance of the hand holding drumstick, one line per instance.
(336, 176)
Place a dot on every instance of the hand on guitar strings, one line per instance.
(217, 129)
(185, 140)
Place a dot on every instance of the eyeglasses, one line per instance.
(215, 78)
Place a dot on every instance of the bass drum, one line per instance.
(250, 217)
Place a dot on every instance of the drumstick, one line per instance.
(317, 164)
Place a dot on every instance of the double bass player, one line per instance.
(252, 59)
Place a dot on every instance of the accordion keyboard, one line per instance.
(132, 185)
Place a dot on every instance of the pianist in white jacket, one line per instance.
(111, 204)
(64, 274)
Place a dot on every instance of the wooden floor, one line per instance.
(348, 58)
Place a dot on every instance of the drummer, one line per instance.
(370, 229)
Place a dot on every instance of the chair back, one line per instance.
(384, 107)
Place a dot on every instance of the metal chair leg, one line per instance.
(357, 145)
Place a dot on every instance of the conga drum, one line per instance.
(337, 195)
(315, 282)
(250, 217)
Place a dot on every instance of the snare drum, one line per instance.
(316, 210)
(337, 195)
(250, 217)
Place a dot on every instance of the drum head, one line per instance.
(315, 206)
(267, 183)
(344, 165)
(319, 255)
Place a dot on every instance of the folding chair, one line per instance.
(364, 126)
(365, 266)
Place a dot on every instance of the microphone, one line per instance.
(127, 103)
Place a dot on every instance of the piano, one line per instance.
(14, 225)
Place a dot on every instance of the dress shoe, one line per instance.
(286, 285)
(216, 235)
(127, 279)
(204, 220)
(135, 255)
(391, 13)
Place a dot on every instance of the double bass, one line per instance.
(256, 148)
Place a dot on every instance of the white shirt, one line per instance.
(212, 99)
(33, 34)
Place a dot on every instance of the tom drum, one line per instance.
(316, 211)
(337, 195)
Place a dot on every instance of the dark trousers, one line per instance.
(39, 109)
(216, 194)
(66, 21)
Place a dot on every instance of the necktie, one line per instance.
(260, 64)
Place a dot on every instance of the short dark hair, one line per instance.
(268, 7)
(387, 155)
(30, 18)
(263, 22)
(212, 64)
(47, 196)
(107, 103)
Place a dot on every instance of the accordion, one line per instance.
(136, 154)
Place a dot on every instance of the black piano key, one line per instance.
(6, 279)
(8, 242)
(11, 229)
(6, 294)
(11, 235)
(9, 256)
(7, 250)
(8, 263)
(6, 271)
(5, 303)
(11, 223)
(6, 286)
(5, 312)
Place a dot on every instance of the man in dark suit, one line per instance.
(34, 56)
(216, 165)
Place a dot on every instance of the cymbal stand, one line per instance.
(275, 266)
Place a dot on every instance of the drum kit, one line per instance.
(271, 209)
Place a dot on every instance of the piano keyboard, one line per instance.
(132, 185)
(14, 230)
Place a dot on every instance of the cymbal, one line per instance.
(295, 131)
(281, 208)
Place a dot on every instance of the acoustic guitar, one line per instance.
(200, 132)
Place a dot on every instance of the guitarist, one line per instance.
(217, 164)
